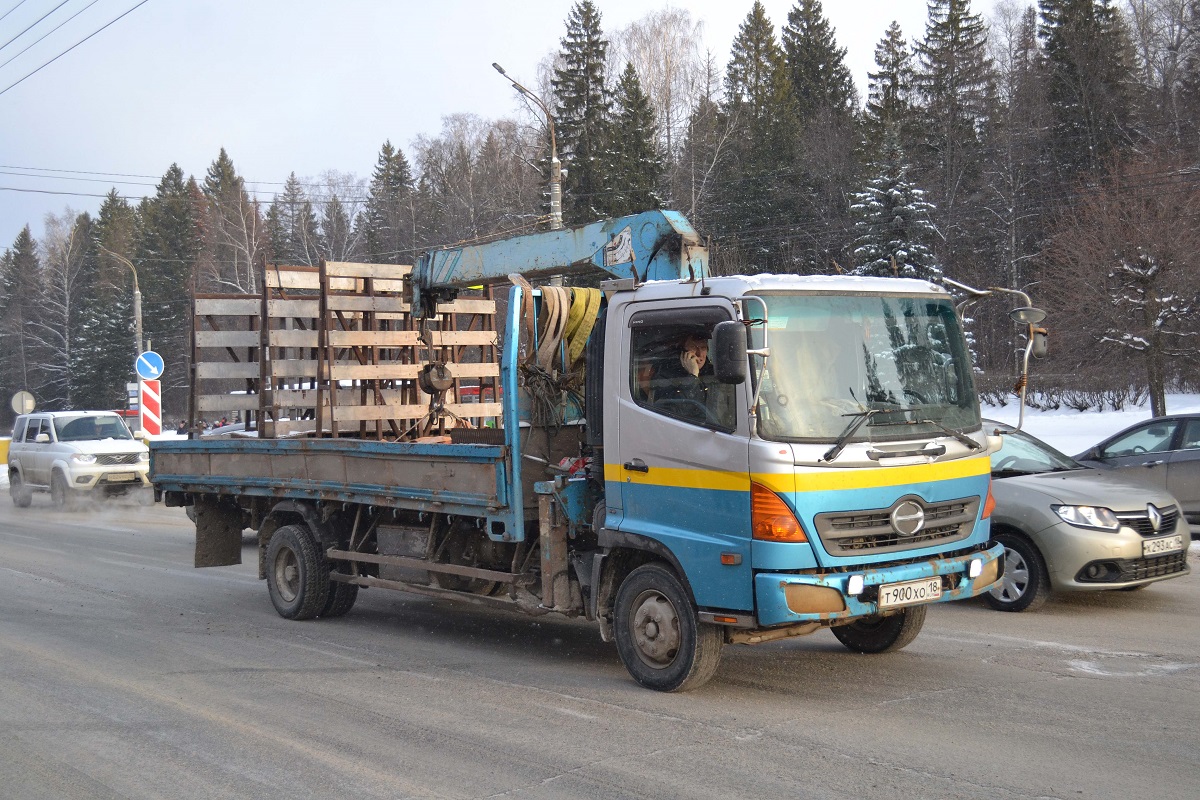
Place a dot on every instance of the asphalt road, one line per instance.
(125, 673)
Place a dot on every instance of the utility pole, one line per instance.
(556, 221)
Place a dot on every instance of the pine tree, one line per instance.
(18, 311)
(582, 111)
(956, 84)
(891, 99)
(1089, 69)
(637, 165)
(389, 220)
(167, 251)
(893, 231)
(234, 232)
(292, 226)
(337, 235)
(821, 81)
(755, 187)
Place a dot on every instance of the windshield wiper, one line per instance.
(962, 437)
(859, 418)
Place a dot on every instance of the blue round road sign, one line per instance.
(149, 365)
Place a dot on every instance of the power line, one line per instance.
(47, 33)
(35, 24)
(72, 47)
(14, 8)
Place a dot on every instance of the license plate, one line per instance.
(925, 590)
(114, 477)
(1167, 544)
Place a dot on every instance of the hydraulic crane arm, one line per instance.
(652, 245)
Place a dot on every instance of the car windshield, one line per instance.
(1022, 454)
(835, 357)
(90, 427)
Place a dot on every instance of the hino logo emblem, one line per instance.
(908, 518)
(1155, 516)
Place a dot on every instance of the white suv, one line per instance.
(72, 453)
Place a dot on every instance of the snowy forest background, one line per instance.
(1052, 148)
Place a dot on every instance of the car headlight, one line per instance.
(83, 458)
(144, 456)
(1101, 519)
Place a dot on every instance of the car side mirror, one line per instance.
(141, 435)
(42, 438)
(729, 352)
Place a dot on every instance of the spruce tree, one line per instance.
(1090, 66)
(336, 240)
(234, 231)
(637, 165)
(292, 226)
(19, 307)
(893, 232)
(389, 220)
(105, 348)
(891, 100)
(582, 113)
(167, 253)
(821, 81)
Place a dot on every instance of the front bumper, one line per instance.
(786, 598)
(109, 477)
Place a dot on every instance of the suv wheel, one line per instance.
(60, 492)
(22, 496)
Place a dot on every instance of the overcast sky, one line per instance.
(292, 85)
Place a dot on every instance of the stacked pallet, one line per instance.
(336, 351)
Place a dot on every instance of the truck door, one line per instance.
(683, 453)
(35, 456)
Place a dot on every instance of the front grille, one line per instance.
(1133, 569)
(855, 532)
(1140, 521)
(109, 459)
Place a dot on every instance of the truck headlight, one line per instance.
(83, 458)
(1095, 517)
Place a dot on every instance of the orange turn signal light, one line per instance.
(770, 518)
(989, 503)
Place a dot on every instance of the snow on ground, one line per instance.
(1072, 431)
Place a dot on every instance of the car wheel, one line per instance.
(1025, 584)
(660, 639)
(882, 634)
(22, 495)
(60, 492)
(297, 573)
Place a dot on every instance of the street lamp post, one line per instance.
(137, 298)
(556, 221)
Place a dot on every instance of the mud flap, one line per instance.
(218, 533)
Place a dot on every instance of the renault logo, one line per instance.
(1155, 516)
(908, 518)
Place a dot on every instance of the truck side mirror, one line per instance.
(1040, 343)
(729, 352)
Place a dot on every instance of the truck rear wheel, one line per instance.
(341, 599)
(882, 634)
(659, 637)
(297, 573)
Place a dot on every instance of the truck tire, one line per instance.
(661, 641)
(297, 573)
(1025, 585)
(22, 496)
(341, 599)
(882, 634)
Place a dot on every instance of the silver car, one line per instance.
(1067, 527)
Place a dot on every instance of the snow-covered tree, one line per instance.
(893, 232)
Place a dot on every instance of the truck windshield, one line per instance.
(834, 357)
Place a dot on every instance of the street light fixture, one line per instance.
(137, 296)
(556, 221)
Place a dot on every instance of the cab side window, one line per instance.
(18, 434)
(671, 374)
(35, 427)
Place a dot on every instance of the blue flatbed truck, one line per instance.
(825, 468)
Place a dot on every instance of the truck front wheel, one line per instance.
(297, 573)
(882, 634)
(659, 637)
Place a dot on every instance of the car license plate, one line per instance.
(1167, 544)
(925, 590)
(115, 477)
